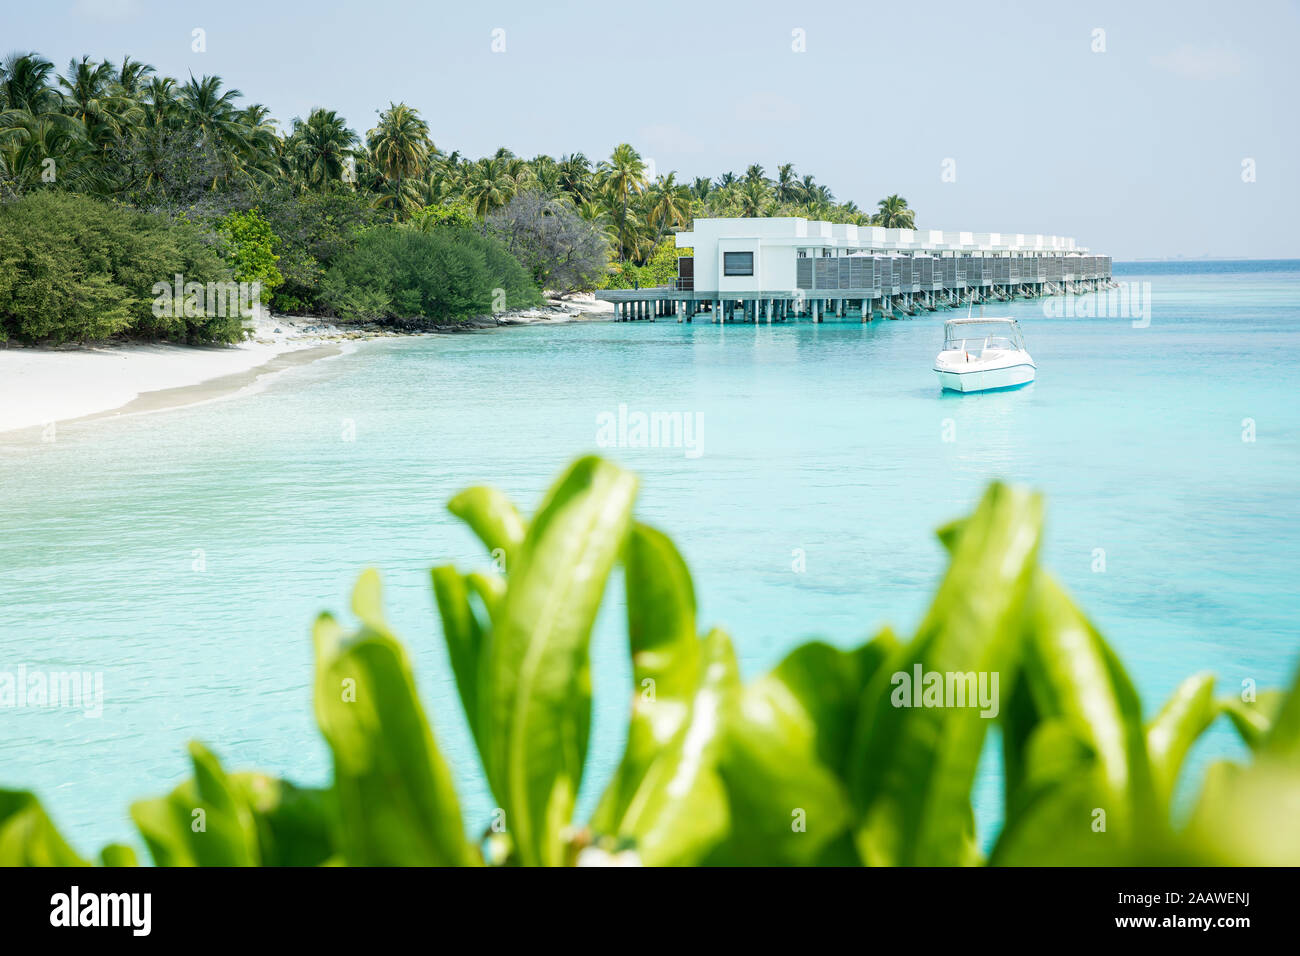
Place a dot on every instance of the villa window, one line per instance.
(737, 263)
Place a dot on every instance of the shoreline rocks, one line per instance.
(573, 307)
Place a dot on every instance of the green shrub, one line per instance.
(660, 269)
(816, 762)
(315, 229)
(449, 273)
(250, 248)
(444, 214)
(75, 269)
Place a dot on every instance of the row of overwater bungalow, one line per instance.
(782, 269)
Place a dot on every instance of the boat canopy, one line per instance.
(982, 333)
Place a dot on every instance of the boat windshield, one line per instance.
(976, 335)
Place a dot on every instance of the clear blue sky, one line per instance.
(1137, 151)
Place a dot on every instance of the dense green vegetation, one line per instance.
(659, 269)
(250, 248)
(314, 229)
(449, 271)
(819, 761)
(74, 268)
(192, 151)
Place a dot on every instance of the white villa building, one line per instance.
(740, 255)
(782, 268)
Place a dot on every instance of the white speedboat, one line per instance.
(980, 355)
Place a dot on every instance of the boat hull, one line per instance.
(986, 380)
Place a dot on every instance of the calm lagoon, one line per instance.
(184, 554)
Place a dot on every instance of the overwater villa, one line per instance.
(779, 269)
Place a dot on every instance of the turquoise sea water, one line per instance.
(827, 439)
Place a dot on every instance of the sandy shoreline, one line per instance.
(44, 386)
(213, 388)
(39, 387)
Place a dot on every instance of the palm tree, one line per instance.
(819, 208)
(93, 98)
(669, 205)
(725, 200)
(158, 100)
(595, 213)
(575, 177)
(88, 85)
(203, 106)
(894, 213)
(399, 147)
(624, 175)
(158, 120)
(449, 164)
(851, 213)
(753, 197)
(755, 174)
(545, 173)
(787, 184)
(263, 140)
(808, 188)
(29, 142)
(33, 131)
(320, 148)
(24, 84)
(489, 186)
(155, 121)
(444, 180)
(444, 177)
(520, 172)
(132, 76)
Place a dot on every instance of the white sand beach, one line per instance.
(39, 386)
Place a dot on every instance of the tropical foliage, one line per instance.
(659, 269)
(124, 132)
(894, 214)
(321, 151)
(446, 273)
(820, 761)
(72, 268)
(250, 248)
(314, 228)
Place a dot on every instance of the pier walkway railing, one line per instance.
(898, 274)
